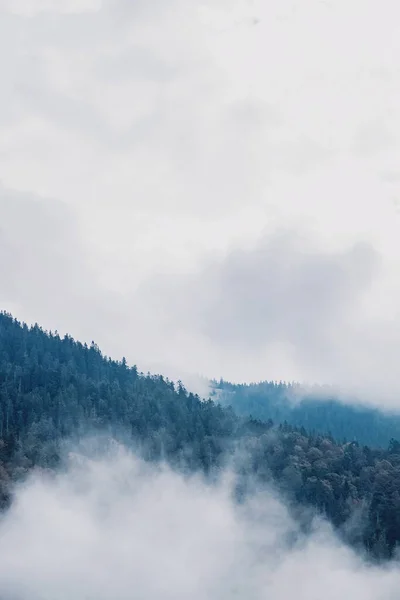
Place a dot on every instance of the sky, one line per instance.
(115, 527)
(207, 188)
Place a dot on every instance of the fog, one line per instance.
(112, 526)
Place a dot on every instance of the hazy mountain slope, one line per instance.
(320, 412)
(53, 388)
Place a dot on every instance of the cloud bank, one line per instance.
(115, 527)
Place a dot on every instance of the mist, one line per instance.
(113, 526)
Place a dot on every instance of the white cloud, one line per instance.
(177, 131)
(114, 527)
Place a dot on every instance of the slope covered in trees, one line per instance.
(319, 411)
(53, 388)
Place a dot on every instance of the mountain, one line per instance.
(53, 389)
(316, 410)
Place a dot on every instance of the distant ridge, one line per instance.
(315, 408)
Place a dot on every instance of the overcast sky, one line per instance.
(207, 187)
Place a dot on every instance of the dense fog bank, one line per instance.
(115, 527)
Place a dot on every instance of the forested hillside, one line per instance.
(52, 388)
(318, 411)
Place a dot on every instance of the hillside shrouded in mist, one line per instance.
(317, 408)
(54, 392)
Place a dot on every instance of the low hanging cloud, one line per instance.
(115, 527)
(285, 289)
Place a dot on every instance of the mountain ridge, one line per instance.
(316, 408)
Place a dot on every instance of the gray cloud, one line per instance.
(285, 289)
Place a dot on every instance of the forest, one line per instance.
(316, 408)
(54, 388)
